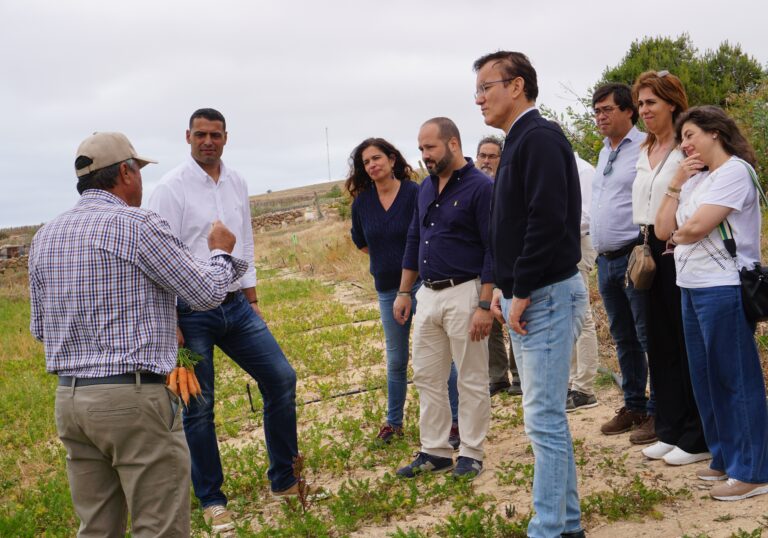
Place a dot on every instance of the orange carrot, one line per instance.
(190, 381)
(198, 391)
(184, 386)
(173, 381)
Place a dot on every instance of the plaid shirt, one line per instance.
(103, 278)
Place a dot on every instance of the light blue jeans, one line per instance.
(396, 339)
(554, 320)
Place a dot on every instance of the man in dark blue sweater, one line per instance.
(448, 247)
(535, 242)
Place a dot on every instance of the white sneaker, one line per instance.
(678, 456)
(657, 450)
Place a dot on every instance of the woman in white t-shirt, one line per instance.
(714, 184)
(661, 98)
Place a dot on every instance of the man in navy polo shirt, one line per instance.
(448, 247)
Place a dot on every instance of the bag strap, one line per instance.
(753, 175)
(726, 232)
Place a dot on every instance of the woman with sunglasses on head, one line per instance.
(384, 201)
(716, 185)
(660, 98)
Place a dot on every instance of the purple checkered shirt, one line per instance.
(103, 278)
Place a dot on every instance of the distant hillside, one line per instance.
(298, 192)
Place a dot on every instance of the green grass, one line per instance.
(628, 501)
(334, 349)
(34, 496)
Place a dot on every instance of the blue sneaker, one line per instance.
(426, 463)
(469, 467)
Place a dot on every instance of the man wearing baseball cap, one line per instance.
(103, 278)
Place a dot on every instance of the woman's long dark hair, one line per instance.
(713, 119)
(358, 179)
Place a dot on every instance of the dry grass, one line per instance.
(323, 249)
(14, 281)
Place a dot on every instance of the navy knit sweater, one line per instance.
(536, 211)
(384, 232)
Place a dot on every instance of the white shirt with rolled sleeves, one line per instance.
(190, 200)
(586, 173)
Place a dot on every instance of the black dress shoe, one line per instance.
(497, 387)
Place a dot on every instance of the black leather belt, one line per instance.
(119, 379)
(437, 285)
(623, 251)
(230, 296)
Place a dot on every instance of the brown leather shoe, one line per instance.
(622, 422)
(645, 432)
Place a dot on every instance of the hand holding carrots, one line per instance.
(182, 380)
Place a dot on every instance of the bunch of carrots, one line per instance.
(182, 379)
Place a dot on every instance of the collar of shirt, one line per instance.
(98, 196)
(455, 177)
(611, 224)
(634, 134)
(201, 175)
(523, 113)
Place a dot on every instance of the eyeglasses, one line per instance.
(607, 110)
(488, 156)
(612, 157)
(480, 90)
(663, 73)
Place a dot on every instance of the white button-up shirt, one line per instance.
(190, 200)
(586, 173)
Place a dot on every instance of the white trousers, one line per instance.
(441, 334)
(584, 361)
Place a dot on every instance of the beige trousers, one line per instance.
(584, 361)
(441, 332)
(126, 453)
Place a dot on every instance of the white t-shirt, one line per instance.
(707, 263)
(646, 186)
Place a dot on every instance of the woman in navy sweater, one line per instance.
(384, 199)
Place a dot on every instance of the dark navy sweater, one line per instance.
(384, 232)
(536, 211)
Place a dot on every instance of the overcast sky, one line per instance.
(282, 72)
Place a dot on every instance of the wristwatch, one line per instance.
(485, 305)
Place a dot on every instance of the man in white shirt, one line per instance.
(192, 196)
(584, 362)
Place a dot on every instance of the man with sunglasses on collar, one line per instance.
(613, 236)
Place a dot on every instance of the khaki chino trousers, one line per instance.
(584, 362)
(441, 334)
(126, 453)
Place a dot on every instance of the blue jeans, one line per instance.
(554, 320)
(727, 381)
(396, 338)
(626, 308)
(241, 334)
